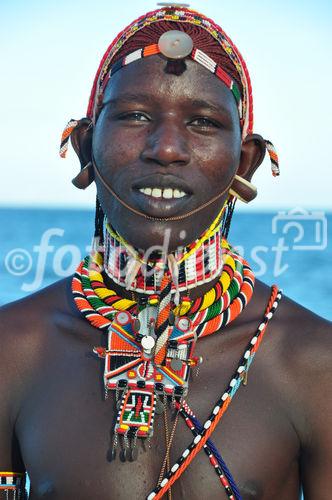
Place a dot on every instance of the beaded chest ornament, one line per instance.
(151, 343)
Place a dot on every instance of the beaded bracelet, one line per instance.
(12, 484)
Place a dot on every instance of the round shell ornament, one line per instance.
(148, 342)
(175, 44)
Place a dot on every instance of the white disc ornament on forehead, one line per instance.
(175, 44)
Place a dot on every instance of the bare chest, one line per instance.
(65, 434)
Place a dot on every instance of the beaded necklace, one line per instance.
(144, 359)
(83, 298)
(193, 269)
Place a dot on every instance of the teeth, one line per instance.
(166, 193)
(147, 191)
(156, 193)
(178, 194)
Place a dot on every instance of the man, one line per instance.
(164, 139)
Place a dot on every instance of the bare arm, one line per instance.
(316, 438)
(10, 389)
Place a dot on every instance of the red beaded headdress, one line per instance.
(192, 23)
(212, 48)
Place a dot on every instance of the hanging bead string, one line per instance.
(162, 329)
(273, 157)
(229, 214)
(169, 441)
(210, 449)
(222, 404)
(71, 125)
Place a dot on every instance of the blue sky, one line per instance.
(50, 51)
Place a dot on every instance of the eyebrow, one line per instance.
(125, 98)
(201, 103)
(144, 98)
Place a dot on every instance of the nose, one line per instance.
(166, 145)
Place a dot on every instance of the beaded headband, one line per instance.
(178, 15)
(174, 44)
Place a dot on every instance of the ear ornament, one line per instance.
(243, 189)
(85, 177)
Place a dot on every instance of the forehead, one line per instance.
(147, 77)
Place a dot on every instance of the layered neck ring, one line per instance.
(188, 267)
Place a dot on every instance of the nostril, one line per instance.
(165, 156)
(166, 146)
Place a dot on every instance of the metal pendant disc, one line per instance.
(175, 44)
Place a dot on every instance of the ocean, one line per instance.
(291, 248)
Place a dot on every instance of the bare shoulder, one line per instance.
(299, 334)
(305, 339)
(23, 329)
(299, 349)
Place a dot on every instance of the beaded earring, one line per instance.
(227, 218)
(99, 222)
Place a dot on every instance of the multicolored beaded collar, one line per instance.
(188, 267)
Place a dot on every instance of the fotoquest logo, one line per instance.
(295, 230)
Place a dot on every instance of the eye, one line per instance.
(204, 122)
(135, 116)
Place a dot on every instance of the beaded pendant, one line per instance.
(140, 384)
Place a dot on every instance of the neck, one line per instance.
(190, 269)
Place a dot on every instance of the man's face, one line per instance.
(177, 138)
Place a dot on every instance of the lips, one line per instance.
(161, 195)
